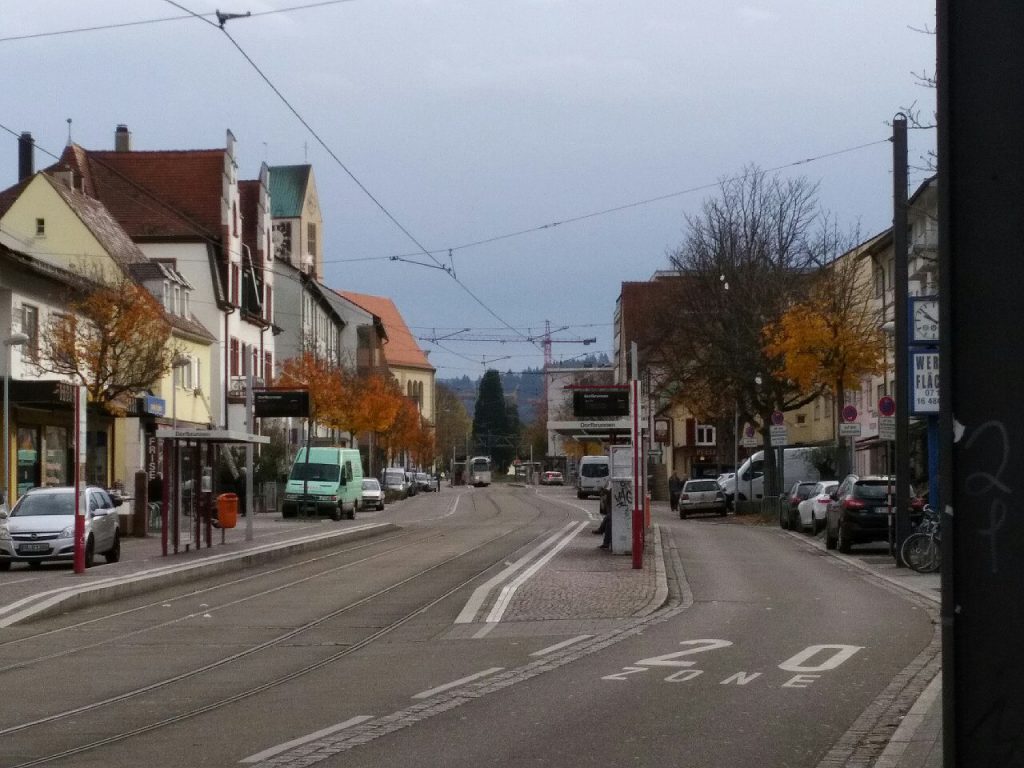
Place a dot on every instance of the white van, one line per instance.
(796, 466)
(591, 476)
(328, 482)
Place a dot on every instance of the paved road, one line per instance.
(415, 647)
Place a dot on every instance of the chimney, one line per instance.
(26, 161)
(122, 139)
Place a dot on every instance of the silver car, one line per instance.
(373, 494)
(701, 496)
(41, 527)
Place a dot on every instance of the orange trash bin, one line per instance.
(227, 510)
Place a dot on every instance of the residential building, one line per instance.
(71, 245)
(403, 358)
(183, 208)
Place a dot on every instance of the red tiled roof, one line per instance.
(401, 349)
(154, 194)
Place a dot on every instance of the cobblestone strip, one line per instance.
(867, 738)
(679, 598)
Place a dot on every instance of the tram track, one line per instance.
(482, 505)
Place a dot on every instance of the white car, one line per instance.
(373, 494)
(41, 527)
(812, 509)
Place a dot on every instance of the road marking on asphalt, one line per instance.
(261, 756)
(457, 683)
(483, 631)
(480, 593)
(561, 645)
(591, 515)
(509, 590)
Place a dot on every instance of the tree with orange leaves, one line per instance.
(331, 392)
(113, 341)
(376, 403)
(424, 448)
(834, 337)
(402, 433)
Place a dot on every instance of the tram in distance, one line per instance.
(480, 471)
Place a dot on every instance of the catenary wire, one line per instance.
(143, 22)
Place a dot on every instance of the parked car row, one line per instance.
(859, 511)
(854, 511)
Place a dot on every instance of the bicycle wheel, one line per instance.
(920, 552)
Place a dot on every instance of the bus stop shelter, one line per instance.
(188, 505)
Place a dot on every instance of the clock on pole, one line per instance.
(924, 320)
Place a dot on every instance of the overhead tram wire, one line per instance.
(298, 116)
(143, 22)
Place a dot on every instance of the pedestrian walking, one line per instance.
(675, 487)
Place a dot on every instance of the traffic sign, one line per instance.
(778, 418)
(886, 427)
(778, 435)
(849, 413)
(886, 406)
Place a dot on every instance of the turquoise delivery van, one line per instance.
(329, 483)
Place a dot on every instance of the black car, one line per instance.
(789, 512)
(859, 511)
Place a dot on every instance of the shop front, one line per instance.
(42, 424)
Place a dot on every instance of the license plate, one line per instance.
(34, 548)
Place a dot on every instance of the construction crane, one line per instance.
(545, 339)
(548, 341)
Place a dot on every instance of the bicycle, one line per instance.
(922, 550)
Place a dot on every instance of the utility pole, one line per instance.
(901, 278)
(981, 162)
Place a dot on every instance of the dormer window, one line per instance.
(186, 310)
(167, 296)
(177, 299)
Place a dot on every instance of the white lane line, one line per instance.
(450, 512)
(259, 757)
(591, 515)
(480, 593)
(457, 683)
(561, 645)
(510, 589)
(483, 631)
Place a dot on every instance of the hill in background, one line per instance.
(526, 388)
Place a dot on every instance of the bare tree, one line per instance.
(747, 257)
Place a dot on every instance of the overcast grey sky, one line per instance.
(473, 120)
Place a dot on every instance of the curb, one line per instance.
(660, 576)
(71, 598)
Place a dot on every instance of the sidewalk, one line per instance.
(54, 587)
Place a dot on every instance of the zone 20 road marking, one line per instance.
(806, 666)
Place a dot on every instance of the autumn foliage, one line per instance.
(331, 391)
(833, 338)
(113, 340)
(373, 404)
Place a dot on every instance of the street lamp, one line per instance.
(14, 340)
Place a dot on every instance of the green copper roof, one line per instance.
(288, 190)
